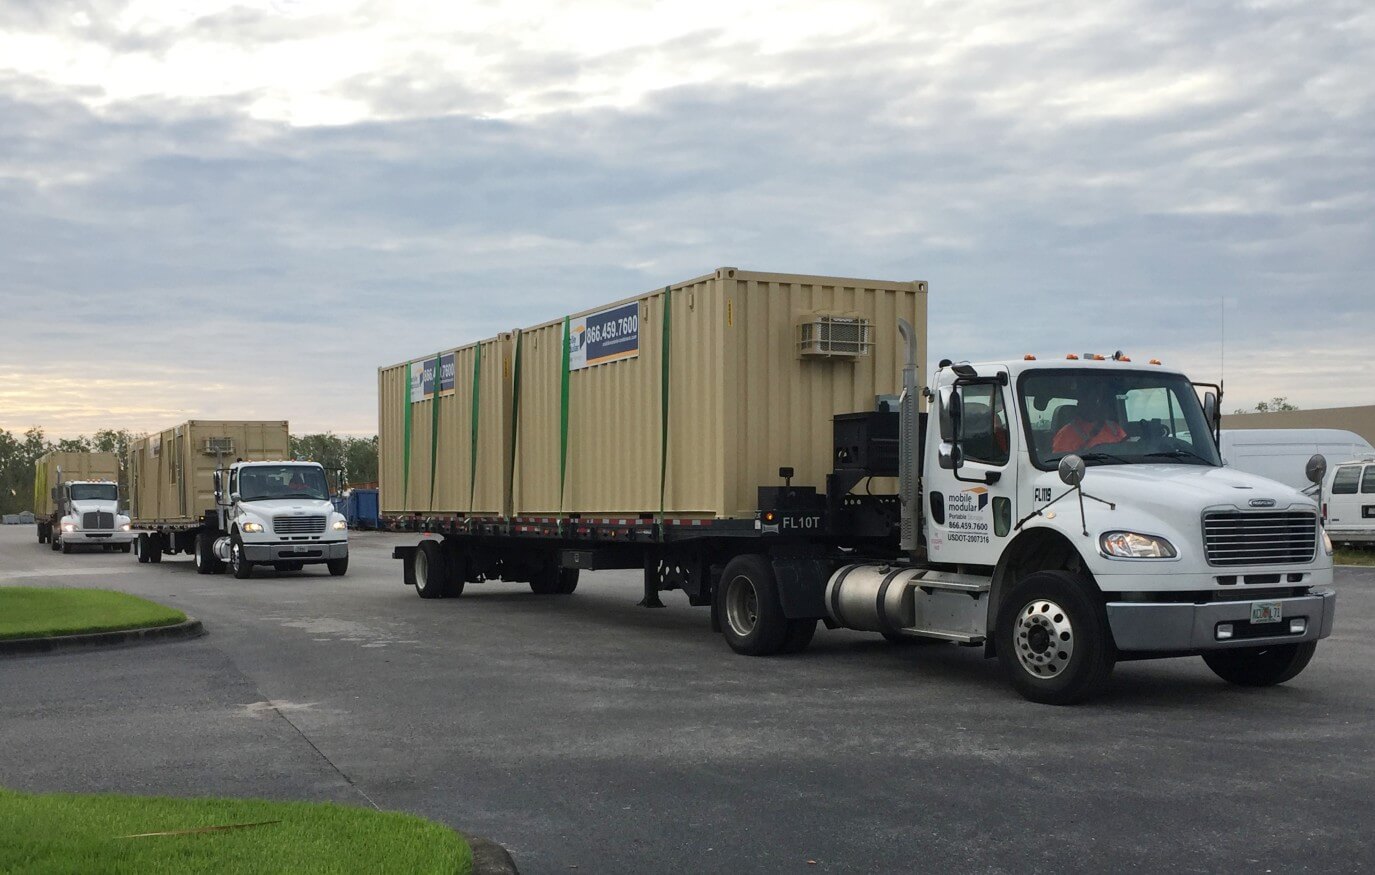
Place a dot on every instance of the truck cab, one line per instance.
(277, 514)
(1085, 508)
(89, 515)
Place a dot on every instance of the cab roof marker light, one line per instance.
(1072, 357)
(1155, 361)
(1098, 358)
(1028, 358)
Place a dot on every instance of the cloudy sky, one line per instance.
(240, 210)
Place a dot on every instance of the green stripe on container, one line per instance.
(663, 398)
(515, 419)
(406, 443)
(434, 430)
(563, 411)
(477, 394)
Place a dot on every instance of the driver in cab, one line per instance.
(1094, 423)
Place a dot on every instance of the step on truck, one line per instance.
(1060, 515)
(77, 502)
(227, 494)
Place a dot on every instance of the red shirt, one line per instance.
(1080, 434)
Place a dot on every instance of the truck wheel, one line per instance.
(141, 547)
(431, 570)
(238, 564)
(54, 543)
(1260, 666)
(155, 547)
(1053, 639)
(799, 635)
(752, 618)
(568, 581)
(206, 560)
(125, 548)
(42, 536)
(66, 547)
(337, 567)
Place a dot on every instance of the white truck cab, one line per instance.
(273, 513)
(90, 516)
(1069, 514)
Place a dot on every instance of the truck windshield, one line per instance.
(94, 491)
(266, 482)
(1115, 418)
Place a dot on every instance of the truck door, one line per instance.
(969, 507)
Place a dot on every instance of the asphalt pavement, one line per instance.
(587, 734)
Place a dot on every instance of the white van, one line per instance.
(1349, 494)
(1281, 453)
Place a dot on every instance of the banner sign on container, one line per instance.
(609, 336)
(423, 377)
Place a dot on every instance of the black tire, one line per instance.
(1261, 666)
(155, 547)
(337, 567)
(1053, 639)
(125, 548)
(553, 580)
(431, 570)
(752, 618)
(66, 547)
(568, 581)
(53, 543)
(799, 635)
(206, 560)
(42, 535)
(241, 568)
(142, 547)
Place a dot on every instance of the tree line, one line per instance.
(356, 457)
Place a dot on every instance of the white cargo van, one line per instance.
(1281, 453)
(1350, 502)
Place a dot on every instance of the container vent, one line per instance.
(218, 446)
(827, 335)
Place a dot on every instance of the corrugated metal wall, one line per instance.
(742, 403)
(177, 485)
(75, 466)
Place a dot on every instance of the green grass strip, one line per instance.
(61, 833)
(1353, 556)
(32, 612)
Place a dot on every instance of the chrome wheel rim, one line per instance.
(742, 606)
(422, 570)
(235, 556)
(1043, 638)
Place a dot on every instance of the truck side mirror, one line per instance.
(1210, 411)
(233, 498)
(1072, 470)
(218, 487)
(56, 494)
(949, 456)
(1316, 469)
(951, 414)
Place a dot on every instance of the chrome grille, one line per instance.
(98, 520)
(299, 525)
(1267, 538)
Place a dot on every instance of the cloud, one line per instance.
(210, 230)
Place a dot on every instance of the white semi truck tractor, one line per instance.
(76, 499)
(1067, 515)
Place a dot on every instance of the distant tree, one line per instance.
(356, 457)
(16, 468)
(1274, 405)
(115, 440)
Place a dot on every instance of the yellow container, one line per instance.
(757, 365)
(172, 472)
(74, 466)
(444, 431)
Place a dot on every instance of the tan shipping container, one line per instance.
(75, 466)
(172, 472)
(444, 443)
(752, 383)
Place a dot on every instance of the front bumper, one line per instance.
(309, 552)
(96, 536)
(1187, 627)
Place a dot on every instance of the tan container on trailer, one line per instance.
(172, 473)
(752, 383)
(75, 466)
(444, 442)
(758, 364)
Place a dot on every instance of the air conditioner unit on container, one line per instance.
(833, 335)
(218, 446)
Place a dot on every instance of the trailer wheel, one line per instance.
(155, 547)
(568, 581)
(431, 570)
(1053, 639)
(238, 564)
(141, 547)
(553, 580)
(42, 535)
(1261, 666)
(206, 560)
(751, 614)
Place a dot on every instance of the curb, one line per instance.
(489, 858)
(190, 628)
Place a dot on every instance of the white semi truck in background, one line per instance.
(77, 502)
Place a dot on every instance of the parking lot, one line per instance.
(587, 734)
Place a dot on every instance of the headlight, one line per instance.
(69, 527)
(1326, 542)
(1133, 545)
(252, 527)
(340, 525)
(126, 527)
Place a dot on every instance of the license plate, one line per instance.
(1266, 612)
(302, 548)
